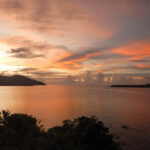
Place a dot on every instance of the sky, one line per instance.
(76, 41)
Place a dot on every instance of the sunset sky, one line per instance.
(80, 41)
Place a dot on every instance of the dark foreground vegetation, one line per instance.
(24, 132)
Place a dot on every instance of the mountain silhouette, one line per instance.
(18, 80)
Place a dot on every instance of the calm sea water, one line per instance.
(114, 106)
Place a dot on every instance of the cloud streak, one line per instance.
(24, 53)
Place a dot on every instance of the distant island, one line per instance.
(133, 86)
(18, 80)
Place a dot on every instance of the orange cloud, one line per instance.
(86, 57)
(136, 50)
(143, 66)
(98, 65)
(74, 64)
(68, 66)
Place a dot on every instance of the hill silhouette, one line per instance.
(133, 86)
(18, 80)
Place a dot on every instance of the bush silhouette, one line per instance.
(24, 132)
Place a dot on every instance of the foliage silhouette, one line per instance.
(24, 132)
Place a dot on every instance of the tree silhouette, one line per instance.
(24, 132)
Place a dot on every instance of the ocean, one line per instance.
(116, 107)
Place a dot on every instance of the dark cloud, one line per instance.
(23, 52)
(143, 60)
(127, 68)
(41, 46)
(28, 69)
(12, 6)
(47, 73)
(42, 75)
(19, 50)
(45, 16)
(109, 56)
(82, 53)
(31, 49)
(38, 73)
